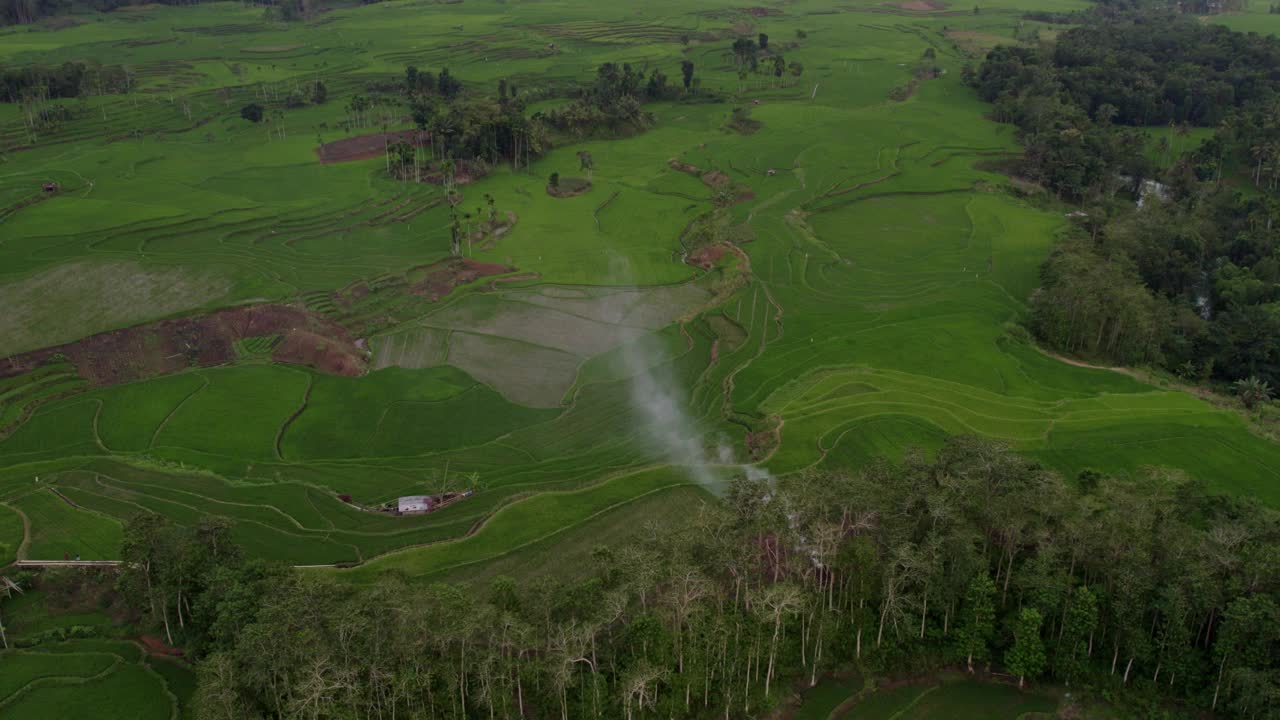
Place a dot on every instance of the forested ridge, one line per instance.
(978, 558)
(1189, 278)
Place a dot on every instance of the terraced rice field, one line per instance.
(576, 371)
(90, 678)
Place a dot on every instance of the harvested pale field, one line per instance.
(414, 349)
(531, 324)
(82, 298)
(525, 374)
(649, 308)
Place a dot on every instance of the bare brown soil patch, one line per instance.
(465, 172)
(569, 187)
(684, 167)
(761, 444)
(706, 257)
(444, 276)
(716, 179)
(170, 346)
(305, 347)
(364, 147)
(156, 646)
(491, 231)
(762, 11)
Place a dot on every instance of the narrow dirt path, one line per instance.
(21, 552)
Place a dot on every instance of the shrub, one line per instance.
(252, 112)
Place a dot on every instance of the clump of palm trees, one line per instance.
(1254, 391)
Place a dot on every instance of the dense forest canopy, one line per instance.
(1142, 69)
(1188, 280)
(975, 558)
(68, 80)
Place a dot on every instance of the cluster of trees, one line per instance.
(614, 101)
(1187, 277)
(1141, 68)
(455, 128)
(418, 84)
(68, 80)
(289, 10)
(23, 12)
(1190, 283)
(926, 68)
(978, 558)
(475, 128)
(755, 56)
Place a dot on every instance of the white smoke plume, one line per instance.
(660, 399)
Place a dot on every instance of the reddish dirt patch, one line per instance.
(922, 5)
(716, 179)
(156, 646)
(446, 275)
(465, 172)
(568, 187)
(706, 257)
(303, 347)
(684, 167)
(364, 147)
(762, 11)
(761, 444)
(170, 346)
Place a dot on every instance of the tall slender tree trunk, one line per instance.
(1222, 666)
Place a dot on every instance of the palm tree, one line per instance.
(1259, 152)
(1182, 131)
(1253, 391)
(447, 169)
(1162, 147)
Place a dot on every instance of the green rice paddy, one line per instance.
(874, 309)
(93, 675)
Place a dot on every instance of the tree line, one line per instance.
(68, 80)
(1187, 277)
(24, 12)
(614, 101)
(1149, 588)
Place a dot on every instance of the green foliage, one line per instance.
(252, 112)
(1253, 391)
(1026, 658)
(1071, 658)
(977, 620)
(889, 553)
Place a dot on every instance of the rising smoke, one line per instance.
(659, 398)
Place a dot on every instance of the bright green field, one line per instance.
(872, 312)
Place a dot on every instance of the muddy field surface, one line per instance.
(364, 147)
(170, 346)
(450, 274)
